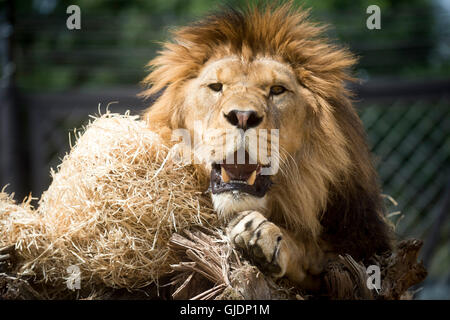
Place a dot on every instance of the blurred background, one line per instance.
(52, 78)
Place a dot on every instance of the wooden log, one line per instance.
(206, 255)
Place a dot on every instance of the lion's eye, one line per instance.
(276, 90)
(215, 86)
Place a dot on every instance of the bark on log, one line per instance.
(210, 268)
(213, 270)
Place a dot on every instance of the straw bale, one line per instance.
(110, 210)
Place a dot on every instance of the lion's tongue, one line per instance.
(242, 172)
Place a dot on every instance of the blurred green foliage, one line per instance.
(119, 37)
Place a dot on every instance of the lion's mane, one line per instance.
(333, 193)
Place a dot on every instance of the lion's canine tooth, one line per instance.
(252, 178)
(225, 176)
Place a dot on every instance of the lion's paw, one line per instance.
(261, 241)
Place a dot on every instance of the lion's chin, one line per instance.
(227, 204)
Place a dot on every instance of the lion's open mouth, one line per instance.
(244, 177)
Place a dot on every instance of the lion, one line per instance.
(265, 68)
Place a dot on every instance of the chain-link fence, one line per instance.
(411, 142)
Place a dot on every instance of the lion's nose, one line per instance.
(243, 119)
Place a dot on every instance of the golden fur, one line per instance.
(325, 194)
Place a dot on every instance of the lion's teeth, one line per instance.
(225, 176)
(252, 178)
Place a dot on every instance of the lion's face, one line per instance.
(247, 118)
